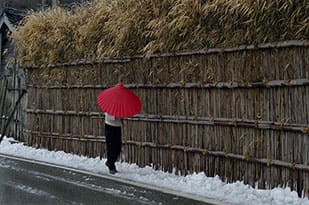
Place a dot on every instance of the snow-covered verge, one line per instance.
(197, 183)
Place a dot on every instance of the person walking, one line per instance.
(116, 102)
(113, 141)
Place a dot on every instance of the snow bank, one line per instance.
(197, 183)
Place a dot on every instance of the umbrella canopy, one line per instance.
(119, 101)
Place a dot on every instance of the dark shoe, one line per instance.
(113, 171)
(112, 168)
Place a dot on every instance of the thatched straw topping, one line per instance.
(128, 27)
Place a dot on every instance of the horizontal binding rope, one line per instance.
(65, 112)
(268, 162)
(67, 136)
(260, 124)
(126, 59)
(226, 85)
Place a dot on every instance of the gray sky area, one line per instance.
(35, 4)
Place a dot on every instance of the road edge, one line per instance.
(119, 179)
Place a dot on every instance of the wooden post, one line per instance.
(42, 5)
(0, 48)
(54, 4)
(3, 93)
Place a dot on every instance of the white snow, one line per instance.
(197, 183)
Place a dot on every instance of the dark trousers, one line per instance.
(113, 144)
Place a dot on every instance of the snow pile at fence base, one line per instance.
(196, 183)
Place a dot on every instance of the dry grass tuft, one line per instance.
(129, 27)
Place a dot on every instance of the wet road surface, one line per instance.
(25, 183)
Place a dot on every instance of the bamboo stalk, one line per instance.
(65, 135)
(219, 85)
(259, 124)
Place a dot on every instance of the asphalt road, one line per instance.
(25, 183)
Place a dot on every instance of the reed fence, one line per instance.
(240, 113)
(10, 91)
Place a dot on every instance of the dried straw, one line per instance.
(129, 27)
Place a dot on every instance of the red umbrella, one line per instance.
(119, 101)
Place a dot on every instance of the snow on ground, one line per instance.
(197, 183)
